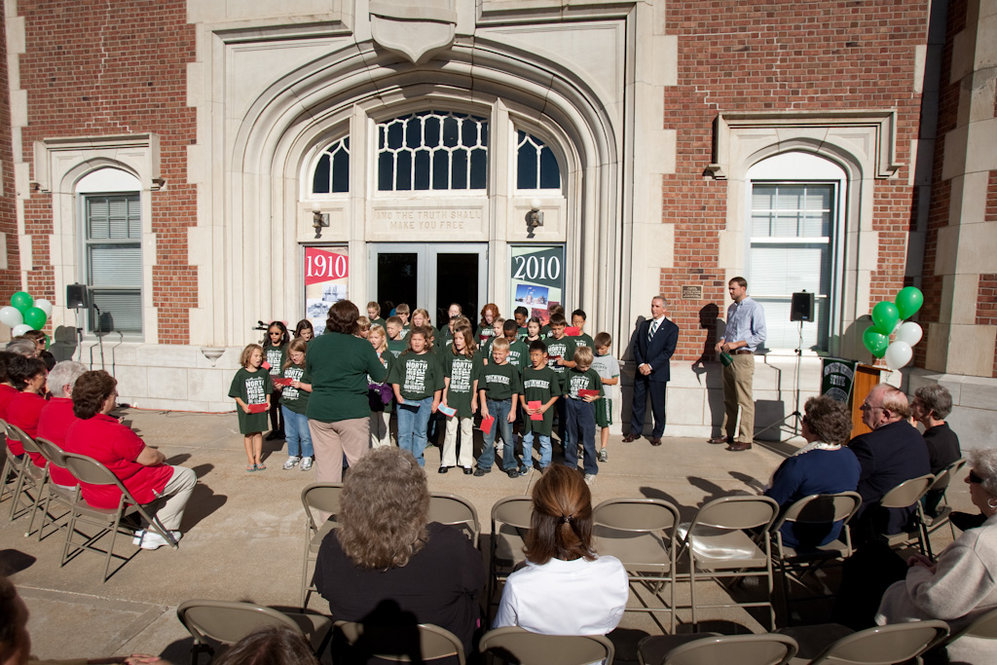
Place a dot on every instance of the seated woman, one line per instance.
(386, 565)
(30, 376)
(142, 470)
(823, 466)
(565, 587)
(962, 584)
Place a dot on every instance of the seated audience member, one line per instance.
(29, 376)
(15, 642)
(57, 415)
(962, 584)
(141, 469)
(386, 565)
(892, 453)
(932, 404)
(823, 466)
(7, 389)
(38, 337)
(565, 587)
(23, 346)
(273, 645)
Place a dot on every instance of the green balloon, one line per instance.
(909, 299)
(875, 341)
(35, 318)
(22, 301)
(885, 317)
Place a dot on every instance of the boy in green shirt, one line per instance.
(578, 321)
(396, 340)
(519, 353)
(582, 388)
(541, 387)
(499, 389)
(560, 351)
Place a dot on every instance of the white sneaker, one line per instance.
(291, 462)
(150, 540)
(306, 463)
(589, 478)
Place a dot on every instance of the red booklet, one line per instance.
(257, 408)
(265, 365)
(281, 382)
(585, 392)
(486, 424)
(572, 331)
(535, 404)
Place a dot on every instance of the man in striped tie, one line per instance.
(652, 344)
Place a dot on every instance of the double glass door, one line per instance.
(429, 275)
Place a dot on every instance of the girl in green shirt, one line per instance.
(417, 383)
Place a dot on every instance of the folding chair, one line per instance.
(52, 492)
(939, 489)
(401, 644)
(765, 649)
(89, 470)
(31, 479)
(982, 627)
(318, 499)
(816, 513)
(718, 546)
(516, 645)
(226, 622)
(455, 511)
(11, 466)
(884, 645)
(510, 522)
(906, 494)
(641, 534)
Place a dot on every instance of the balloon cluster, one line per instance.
(24, 313)
(886, 320)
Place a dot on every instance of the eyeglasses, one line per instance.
(275, 333)
(975, 479)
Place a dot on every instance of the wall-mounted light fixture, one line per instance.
(534, 218)
(320, 220)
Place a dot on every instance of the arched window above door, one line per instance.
(536, 166)
(332, 171)
(432, 150)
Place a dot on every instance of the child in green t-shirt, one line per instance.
(541, 388)
(294, 404)
(499, 390)
(582, 388)
(417, 384)
(251, 388)
(462, 369)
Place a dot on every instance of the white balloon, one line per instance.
(20, 329)
(45, 306)
(909, 332)
(898, 354)
(11, 316)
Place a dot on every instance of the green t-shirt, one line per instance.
(540, 385)
(275, 357)
(577, 380)
(522, 334)
(293, 398)
(583, 340)
(397, 346)
(387, 360)
(339, 366)
(251, 388)
(559, 348)
(417, 375)
(519, 355)
(463, 373)
(378, 322)
(500, 381)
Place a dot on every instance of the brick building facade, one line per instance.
(218, 127)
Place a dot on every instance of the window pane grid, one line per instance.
(332, 171)
(536, 167)
(432, 150)
(113, 225)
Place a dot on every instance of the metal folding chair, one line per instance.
(30, 481)
(510, 520)
(53, 493)
(766, 649)
(906, 494)
(456, 511)
(519, 646)
(421, 643)
(318, 499)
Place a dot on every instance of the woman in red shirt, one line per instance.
(28, 375)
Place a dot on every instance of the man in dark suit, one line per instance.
(890, 454)
(653, 344)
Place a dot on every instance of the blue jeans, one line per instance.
(500, 409)
(544, 448)
(297, 434)
(413, 419)
(580, 427)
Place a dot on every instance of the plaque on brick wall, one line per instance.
(692, 292)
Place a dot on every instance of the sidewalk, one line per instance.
(243, 534)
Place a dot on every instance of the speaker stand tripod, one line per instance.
(796, 415)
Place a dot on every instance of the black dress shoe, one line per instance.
(655, 440)
(630, 438)
(739, 446)
(274, 435)
(443, 469)
(468, 470)
(720, 439)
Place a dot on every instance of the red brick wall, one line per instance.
(89, 70)
(10, 279)
(781, 55)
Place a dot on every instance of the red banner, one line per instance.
(322, 266)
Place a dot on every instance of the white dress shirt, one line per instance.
(577, 597)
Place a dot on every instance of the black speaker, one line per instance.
(105, 324)
(802, 308)
(77, 296)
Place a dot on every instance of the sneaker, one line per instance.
(481, 472)
(150, 540)
(589, 478)
(292, 462)
(603, 455)
(523, 470)
(306, 463)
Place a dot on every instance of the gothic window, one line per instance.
(432, 150)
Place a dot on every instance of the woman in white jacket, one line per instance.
(962, 584)
(565, 587)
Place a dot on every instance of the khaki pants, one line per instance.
(173, 499)
(737, 392)
(333, 440)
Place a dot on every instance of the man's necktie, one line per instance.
(651, 330)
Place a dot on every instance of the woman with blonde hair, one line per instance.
(387, 564)
(562, 569)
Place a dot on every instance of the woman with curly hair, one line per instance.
(386, 564)
(823, 466)
(565, 588)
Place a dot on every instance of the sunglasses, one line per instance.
(275, 334)
(975, 479)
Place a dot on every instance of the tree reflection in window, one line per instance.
(432, 150)
(332, 172)
(536, 167)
